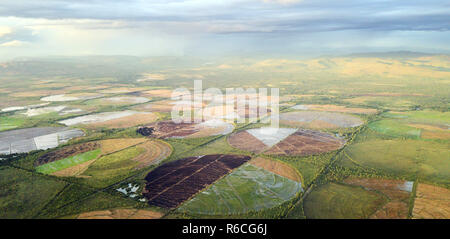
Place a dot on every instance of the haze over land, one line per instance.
(294, 28)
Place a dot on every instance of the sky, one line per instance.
(30, 28)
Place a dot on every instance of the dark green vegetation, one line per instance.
(407, 139)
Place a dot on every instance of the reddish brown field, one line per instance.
(398, 205)
(303, 142)
(245, 141)
(431, 202)
(169, 129)
(173, 183)
(306, 142)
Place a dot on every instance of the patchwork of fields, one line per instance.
(106, 147)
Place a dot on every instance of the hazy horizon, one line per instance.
(302, 28)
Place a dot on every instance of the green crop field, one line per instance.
(428, 160)
(111, 168)
(342, 201)
(395, 128)
(24, 194)
(401, 124)
(7, 123)
(246, 189)
(54, 166)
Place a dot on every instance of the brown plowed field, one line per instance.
(155, 151)
(121, 214)
(306, 142)
(276, 167)
(168, 129)
(245, 141)
(398, 205)
(171, 184)
(66, 152)
(431, 202)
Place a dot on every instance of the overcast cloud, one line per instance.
(191, 27)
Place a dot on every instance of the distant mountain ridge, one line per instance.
(392, 54)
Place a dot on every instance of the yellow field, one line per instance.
(113, 145)
(121, 214)
(341, 109)
(276, 167)
(155, 152)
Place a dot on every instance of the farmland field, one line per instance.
(415, 125)
(320, 119)
(7, 123)
(170, 129)
(404, 157)
(121, 214)
(432, 202)
(54, 166)
(335, 108)
(26, 140)
(397, 191)
(285, 141)
(24, 194)
(248, 188)
(173, 183)
(74, 160)
(342, 201)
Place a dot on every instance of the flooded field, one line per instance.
(97, 118)
(26, 140)
(319, 119)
